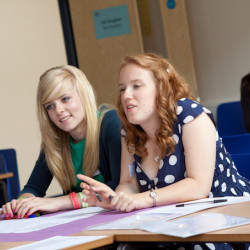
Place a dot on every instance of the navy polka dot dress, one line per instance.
(226, 182)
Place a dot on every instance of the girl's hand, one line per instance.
(110, 200)
(125, 202)
(34, 204)
(9, 209)
(92, 189)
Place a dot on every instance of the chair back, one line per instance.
(241, 162)
(237, 144)
(230, 119)
(10, 159)
(5, 183)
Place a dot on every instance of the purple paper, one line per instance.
(66, 229)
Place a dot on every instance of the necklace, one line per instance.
(156, 158)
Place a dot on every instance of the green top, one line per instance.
(77, 152)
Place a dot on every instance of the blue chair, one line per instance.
(237, 144)
(4, 183)
(230, 119)
(241, 162)
(10, 161)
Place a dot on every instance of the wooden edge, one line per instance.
(6, 175)
(109, 239)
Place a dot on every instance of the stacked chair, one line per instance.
(232, 130)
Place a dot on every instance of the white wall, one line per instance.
(31, 42)
(220, 37)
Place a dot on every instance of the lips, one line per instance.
(65, 118)
(130, 106)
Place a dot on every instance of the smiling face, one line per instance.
(138, 94)
(66, 112)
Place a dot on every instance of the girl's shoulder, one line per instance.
(188, 109)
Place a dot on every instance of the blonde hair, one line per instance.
(55, 142)
(170, 88)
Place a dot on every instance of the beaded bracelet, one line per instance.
(74, 200)
(82, 196)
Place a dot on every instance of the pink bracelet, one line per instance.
(74, 200)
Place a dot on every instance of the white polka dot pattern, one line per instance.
(172, 160)
(169, 179)
(226, 182)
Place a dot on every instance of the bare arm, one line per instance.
(30, 204)
(199, 140)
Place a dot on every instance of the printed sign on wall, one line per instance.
(111, 22)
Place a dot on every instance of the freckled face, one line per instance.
(138, 95)
(67, 113)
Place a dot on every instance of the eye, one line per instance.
(65, 98)
(136, 86)
(49, 106)
(122, 89)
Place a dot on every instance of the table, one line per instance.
(233, 235)
(4, 190)
(236, 234)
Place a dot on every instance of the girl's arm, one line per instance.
(199, 140)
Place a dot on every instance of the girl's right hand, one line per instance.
(97, 188)
(10, 208)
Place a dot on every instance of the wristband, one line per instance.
(82, 196)
(74, 200)
(21, 198)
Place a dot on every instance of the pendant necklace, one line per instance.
(156, 158)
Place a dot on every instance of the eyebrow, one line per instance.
(133, 81)
(59, 97)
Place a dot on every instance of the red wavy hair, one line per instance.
(170, 88)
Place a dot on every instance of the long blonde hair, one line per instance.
(55, 142)
(170, 88)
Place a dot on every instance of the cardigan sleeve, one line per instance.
(39, 179)
(110, 148)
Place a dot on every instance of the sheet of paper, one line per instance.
(164, 212)
(193, 225)
(133, 221)
(195, 207)
(58, 242)
(42, 222)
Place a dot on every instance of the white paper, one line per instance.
(58, 242)
(167, 212)
(133, 221)
(42, 222)
(195, 207)
(193, 225)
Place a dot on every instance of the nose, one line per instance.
(59, 108)
(127, 94)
